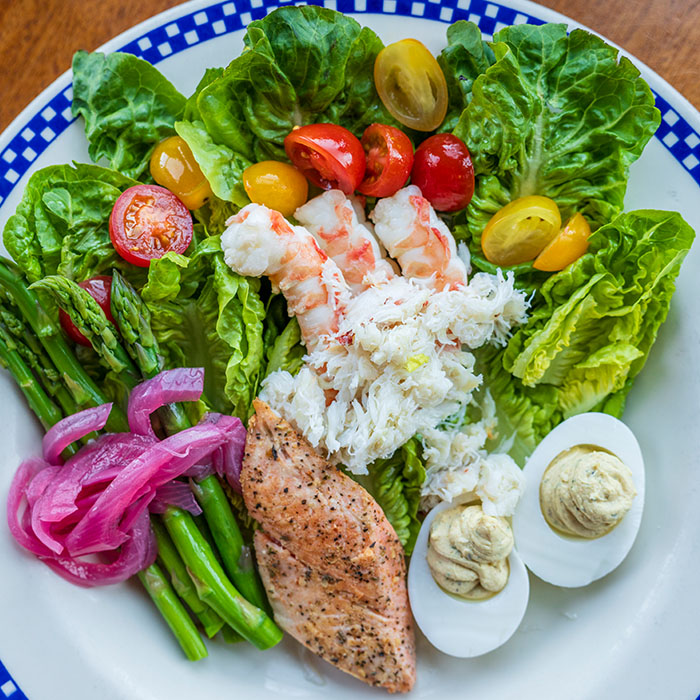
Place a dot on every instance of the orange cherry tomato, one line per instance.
(279, 186)
(411, 84)
(389, 154)
(173, 166)
(519, 231)
(569, 245)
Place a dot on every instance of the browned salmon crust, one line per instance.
(331, 563)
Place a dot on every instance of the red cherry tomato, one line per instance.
(328, 155)
(442, 168)
(389, 154)
(100, 289)
(146, 222)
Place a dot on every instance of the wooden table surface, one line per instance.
(38, 37)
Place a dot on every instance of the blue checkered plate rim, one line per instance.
(195, 22)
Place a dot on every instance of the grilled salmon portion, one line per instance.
(330, 561)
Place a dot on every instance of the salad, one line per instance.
(260, 240)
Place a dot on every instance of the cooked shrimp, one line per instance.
(344, 234)
(260, 241)
(413, 234)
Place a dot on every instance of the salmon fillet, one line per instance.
(331, 563)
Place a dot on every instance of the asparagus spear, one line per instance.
(182, 583)
(163, 595)
(235, 555)
(91, 321)
(213, 586)
(84, 391)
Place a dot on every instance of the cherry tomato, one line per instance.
(411, 84)
(146, 222)
(442, 168)
(327, 154)
(100, 289)
(276, 185)
(519, 231)
(389, 154)
(568, 245)
(173, 166)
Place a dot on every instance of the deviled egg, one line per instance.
(468, 588)
(583, 501)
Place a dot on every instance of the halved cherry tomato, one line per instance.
(519, 231)
(146, 222)
(389, 154)
(327, 154)
(100, 289)
(411, 84)
(569, 245)
(173, 166)
(442, 168)
(279, 186)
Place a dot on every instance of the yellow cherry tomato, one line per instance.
(519, 231)
(173, 166)
(411, 84)
(569, 245)
(278, 186)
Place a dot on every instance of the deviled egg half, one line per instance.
(583, 501)
(467, 586)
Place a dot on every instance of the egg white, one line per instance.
(461, 627)
(567, 561)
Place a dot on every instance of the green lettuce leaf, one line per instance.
(581, 349)
(465, 57)
(300, 65)
(61, 225)
(395, 484)
(205, 315)
(556, 115)
(128, 107)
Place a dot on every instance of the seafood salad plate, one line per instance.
(350, 349)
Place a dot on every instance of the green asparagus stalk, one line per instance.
(212, 584)
(43, 407)
(33, 353)
(82, 388)
(230, 635)
(181, 581)
(169, 605)
(91, 321)
(235, 554)
(133, 319)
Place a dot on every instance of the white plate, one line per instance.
(634, 634)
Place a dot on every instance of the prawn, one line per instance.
(260, 241)
(411, 231)
(343, 233)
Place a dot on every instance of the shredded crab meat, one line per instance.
(395, 359)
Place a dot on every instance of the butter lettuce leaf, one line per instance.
(61, 225)
(582, 347)
(300, 65)
(395, 484)
(128, 106)
(205, 315)
(556, 115)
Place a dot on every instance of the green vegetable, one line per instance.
(212, 585)
(465, 57)
(286, 352)
(128, 107)
(582, 347)
(555, 115)
(300, 65)
(395, 484)
(61, 226)
(163, 595)
(205, 315)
